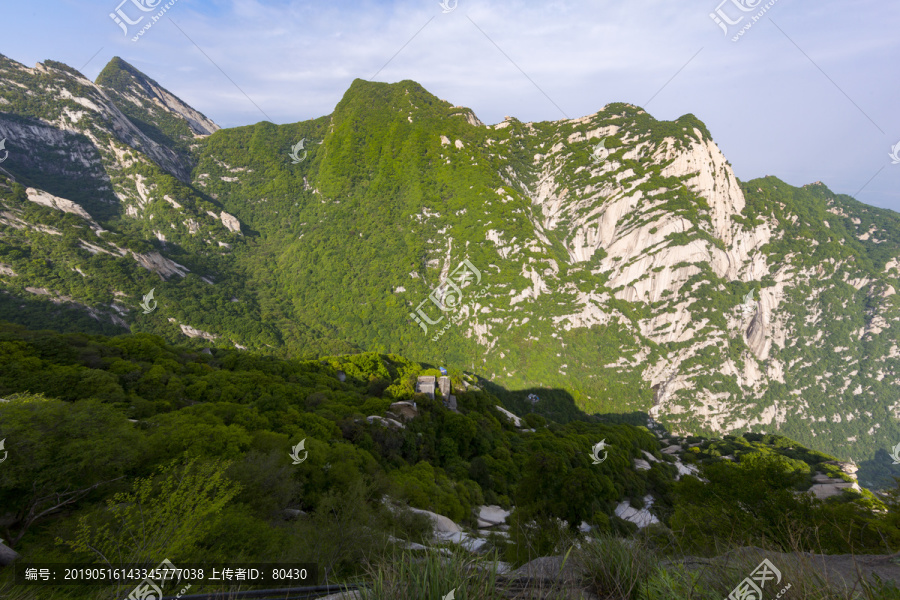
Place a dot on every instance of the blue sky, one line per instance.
(808, 93)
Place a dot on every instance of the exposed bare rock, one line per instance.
(231, 222)
(194, 333)
(351, 595)
(835, 570)
(641, 464)
(387, 422)
(156, 262)
(641, 517)
(510, 417)
(406, 410)
(7, 555)
(492, 515)
(51, 201)
(198, 122)
(441, 523)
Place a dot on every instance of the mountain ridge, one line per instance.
(618, 273)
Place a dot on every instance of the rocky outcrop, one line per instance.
(405, 410)
(441, 523)
(386, 421)
(843, 573)
(49, 200)
(230, 222)
(642, 517)
(195, 333)
(80, 106)
(825, 487)
(7, 555)
(510, 417)
(159, 264)
(492, 516)
(197, 121)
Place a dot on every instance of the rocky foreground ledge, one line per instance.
(553, 577)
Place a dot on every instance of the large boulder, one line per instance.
(510, 417)
(641, 517)
(405, 410)
(550, 567)
(7, 554)
(351, 595)
(684, 469)
(843, 572)
(441, 523)
(834, 487)
(640, 464)
(492, 515)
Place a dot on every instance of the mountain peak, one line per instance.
(136, 88)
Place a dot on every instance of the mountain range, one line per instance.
(613, 259)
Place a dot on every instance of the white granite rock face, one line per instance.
(194, 333)
(230, 222)
(511, 417)
(640, 517)
(492, 515)
(51, 201)
(442, 524)
(156, 262)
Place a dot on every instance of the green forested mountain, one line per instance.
(633, 275)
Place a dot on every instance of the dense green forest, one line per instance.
(132, 449)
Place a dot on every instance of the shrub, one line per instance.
(615, 567)
(433, 576)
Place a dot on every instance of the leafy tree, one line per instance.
(59, 453)
(163, 516)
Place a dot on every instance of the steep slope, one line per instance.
(133, 224)
(159, 114)
(641, 275)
